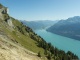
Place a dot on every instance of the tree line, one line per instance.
(50, 51)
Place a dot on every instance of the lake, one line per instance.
(63, 43)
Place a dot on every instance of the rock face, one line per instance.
(4, 16)
(9, 21)
(3, 12)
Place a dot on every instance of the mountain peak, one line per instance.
(75, 17)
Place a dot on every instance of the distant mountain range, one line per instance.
(19, 42)
(39, 24)
(69, 27)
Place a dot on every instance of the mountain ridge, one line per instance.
(68, 28)
(40, 24)
(19, 42)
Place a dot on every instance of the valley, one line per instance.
(61, 42)
(19, 42)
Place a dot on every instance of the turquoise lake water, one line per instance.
(64, 43)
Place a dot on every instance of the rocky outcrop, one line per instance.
(9, 21)
(4, 16)
(3, 13)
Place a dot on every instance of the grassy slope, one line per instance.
(24, 40)
(21, 35)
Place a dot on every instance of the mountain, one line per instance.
(19, 42)
(69, 28)
(39, 24)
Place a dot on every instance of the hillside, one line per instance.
(19, 42)
(35, 25)
(69, 28)
(14, 45)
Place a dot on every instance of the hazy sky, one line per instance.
(42, 9)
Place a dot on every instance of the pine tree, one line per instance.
(49, 56)
(39, 54)
(45, 52)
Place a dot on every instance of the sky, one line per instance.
(42, 9)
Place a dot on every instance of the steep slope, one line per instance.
(12, 51)
(39, 24)
(19, 42)
(69, 28)
(12, 41)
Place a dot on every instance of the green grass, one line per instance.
(24, 40)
